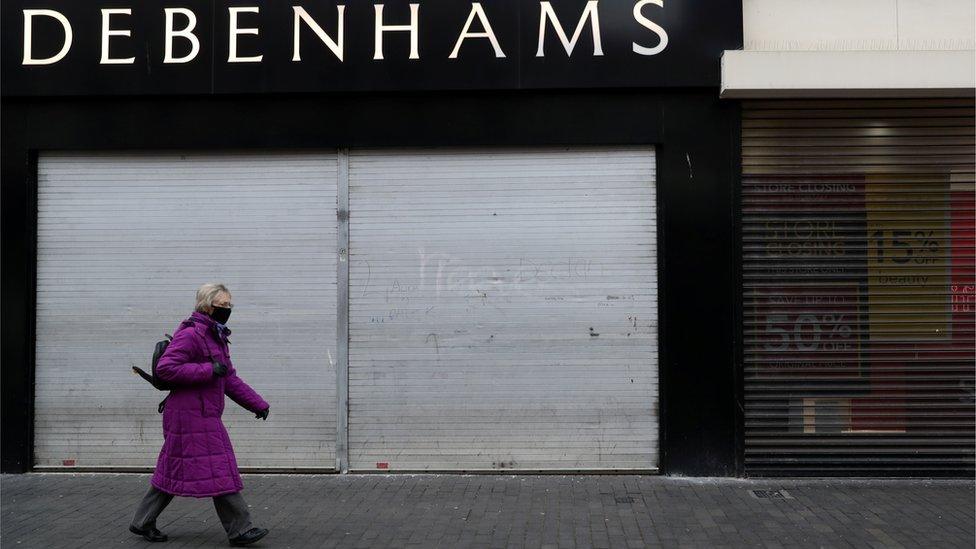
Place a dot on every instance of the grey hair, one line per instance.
(207, 294)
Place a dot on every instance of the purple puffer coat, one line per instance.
(197, 459)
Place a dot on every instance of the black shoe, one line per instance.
(249, 537)
(151, 534)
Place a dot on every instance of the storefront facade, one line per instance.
(857, 237)
(523, 236)
(441, 262)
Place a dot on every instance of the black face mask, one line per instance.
(220, 314)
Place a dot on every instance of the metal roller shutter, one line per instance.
(503, 309)
(123, 242)
(858, 280)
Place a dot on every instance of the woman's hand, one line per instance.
(263, 414)
(219, 369)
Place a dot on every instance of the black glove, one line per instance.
(263, 414)
(219, 369)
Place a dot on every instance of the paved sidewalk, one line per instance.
(93, 510)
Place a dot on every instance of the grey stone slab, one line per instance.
(493, 511)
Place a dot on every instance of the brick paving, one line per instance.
(537, 511)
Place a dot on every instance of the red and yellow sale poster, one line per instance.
(810, 318)
(920, 278)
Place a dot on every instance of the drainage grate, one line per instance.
(624, 499)
(770, 494)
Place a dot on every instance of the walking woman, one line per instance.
(197, 459)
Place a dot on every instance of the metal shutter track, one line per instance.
(858, 286)
(503, 309)
(123, 242)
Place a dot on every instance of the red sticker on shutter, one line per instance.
(68, 462)
(382, 465)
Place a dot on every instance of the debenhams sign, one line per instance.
(214, 46)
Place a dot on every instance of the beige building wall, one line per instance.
(853, 48)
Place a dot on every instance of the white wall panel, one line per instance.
(868, 48)
(124, 240)
(503, 309)
(865, 25)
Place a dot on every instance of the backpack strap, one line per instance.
(188, 323)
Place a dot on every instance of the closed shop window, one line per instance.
(123, 242)
(858, 286)
(503, 309)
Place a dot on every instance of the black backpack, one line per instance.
(152, 378)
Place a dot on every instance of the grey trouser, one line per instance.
(231, 508)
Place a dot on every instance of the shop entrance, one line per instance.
(497, 308)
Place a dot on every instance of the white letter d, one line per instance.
(28, 27)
